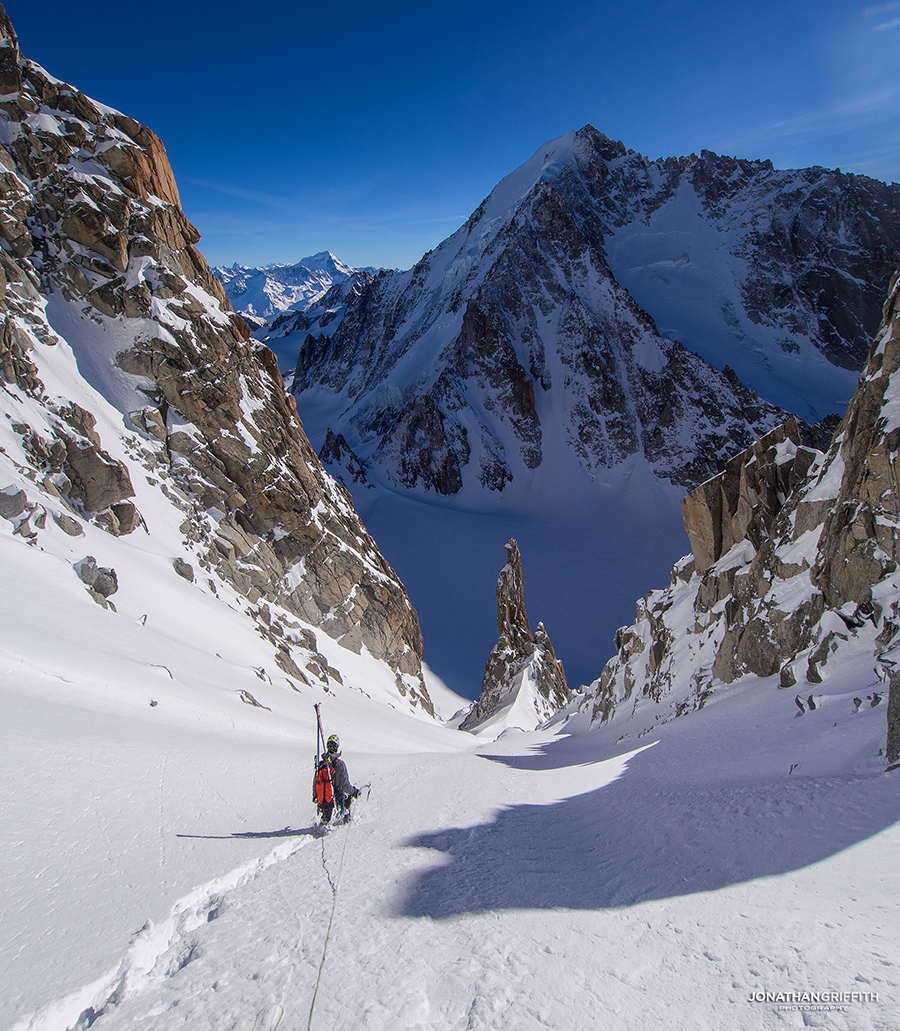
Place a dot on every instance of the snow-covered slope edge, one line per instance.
(794, 570)
(134, 400)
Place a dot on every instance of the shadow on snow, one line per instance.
(285, 832)
(644, 837)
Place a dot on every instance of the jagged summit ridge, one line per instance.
(536, 310)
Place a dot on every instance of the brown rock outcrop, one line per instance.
(741, 503)
(98, 481)
(860, 542)
(818, 574)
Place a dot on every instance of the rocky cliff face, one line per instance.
(801, 262)
(744, 499)
(795, 562)
(549, 320)
(524, 682)
(99, 263)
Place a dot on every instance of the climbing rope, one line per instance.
(334, 890)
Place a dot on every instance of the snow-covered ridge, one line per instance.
(135, 402)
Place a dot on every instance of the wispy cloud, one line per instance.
(238, 192)
(806, 127)
(335, 208)
(879, 12)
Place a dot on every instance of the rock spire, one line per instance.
(524, 683)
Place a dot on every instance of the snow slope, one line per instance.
(117, 722)
(160, 868)
(691, 271)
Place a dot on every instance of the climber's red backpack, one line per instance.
(322, 784)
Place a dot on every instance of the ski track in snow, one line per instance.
(158, 951)
(641, 875)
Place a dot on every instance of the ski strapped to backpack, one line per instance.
(323, 784)
(324, 790)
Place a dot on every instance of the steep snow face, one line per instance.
(777, 274)
(135, 408)
(261, 294)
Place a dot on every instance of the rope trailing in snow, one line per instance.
(334, 891)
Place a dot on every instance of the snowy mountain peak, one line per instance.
(604, 332)
(583, 148)
(544, 165)
(325, 261)
(261, 294)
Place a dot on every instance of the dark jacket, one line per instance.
(340, 779)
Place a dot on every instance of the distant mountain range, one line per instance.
(261, 294)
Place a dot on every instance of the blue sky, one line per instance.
(374, 129)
